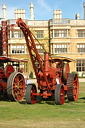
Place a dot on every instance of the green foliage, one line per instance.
(76, 73)
(31, 75)
(83, 75)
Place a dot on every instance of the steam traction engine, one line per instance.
(12, 83)
(52, 75)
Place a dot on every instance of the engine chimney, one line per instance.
(4, 12)
(31, 11)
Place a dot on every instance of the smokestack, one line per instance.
(4, 12)
(31, 11)
(84, 10)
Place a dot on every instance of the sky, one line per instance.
(43, 9)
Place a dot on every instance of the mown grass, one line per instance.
(44, 114)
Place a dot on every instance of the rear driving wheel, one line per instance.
(59, 94)
(31, 94)
(16, 86)
(72, 87)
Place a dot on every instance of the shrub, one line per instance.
(83, 74)
(76, 73)
(31, 75)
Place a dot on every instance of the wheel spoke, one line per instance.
(18, 87)
(21, 80)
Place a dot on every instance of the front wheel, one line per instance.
(31, 94)
(59, 94)
(16, 86)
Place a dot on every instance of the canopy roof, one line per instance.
(4, 59)
(60, 58)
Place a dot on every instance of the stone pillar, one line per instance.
(31, 11)
(77, 16)
(4, 12)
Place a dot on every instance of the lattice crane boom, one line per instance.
(34, 55)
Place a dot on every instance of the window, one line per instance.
(61, 48)
(17, 34)
(80, 65)
(81, 33)
(60, 33)
(81, 48)
(21, 66)
(39, 48)
(39, 34)
(18, 49)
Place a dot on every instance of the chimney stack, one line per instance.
(57, 14)
(31, 11)
(4, 12)
(19, 13)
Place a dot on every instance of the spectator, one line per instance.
(27, 81)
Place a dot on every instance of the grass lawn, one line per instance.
(44, 114)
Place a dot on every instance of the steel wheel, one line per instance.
(30, 94)
(16, 86)
(72, 87)
(59, 94)
(66, 71)
(8, 70)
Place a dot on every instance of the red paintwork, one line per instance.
(2, 80)
(4, 32)
(18, 86)
(4, 38)
(4, 59)
(46, 75)
(5, 72)
(8, 70)
(62, 95)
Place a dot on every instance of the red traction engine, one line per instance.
(53, 75)
(12, 83)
